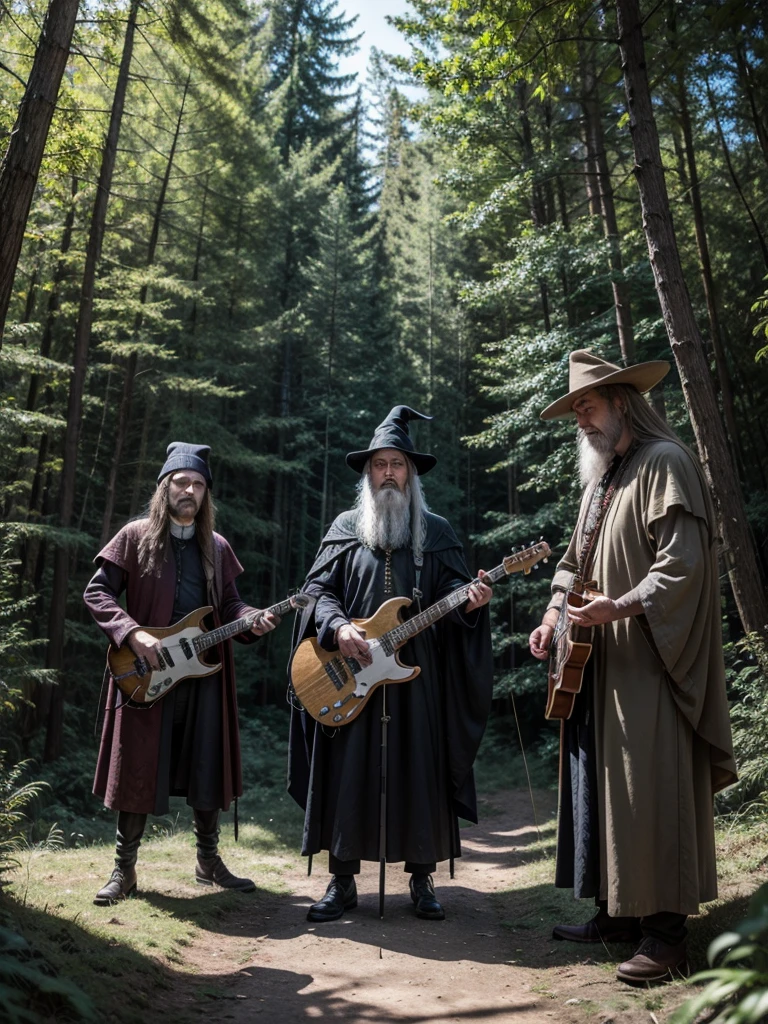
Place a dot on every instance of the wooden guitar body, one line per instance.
(569, 653)
(334, 689)
(181, 660)
(186, 651)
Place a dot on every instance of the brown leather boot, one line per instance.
(654, 961)
(121, 886)
(213, 871)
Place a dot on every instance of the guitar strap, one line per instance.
(216, 581)
(418, 561)
(601, 501)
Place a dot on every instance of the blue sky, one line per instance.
(377, 32)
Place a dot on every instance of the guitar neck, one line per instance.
(402, 633)
(241, 625)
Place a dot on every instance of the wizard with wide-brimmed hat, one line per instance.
(648, 740)
(389, 545)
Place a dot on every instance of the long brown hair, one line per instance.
(153, 545)
(646, 425)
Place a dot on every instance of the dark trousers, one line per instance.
(352, 867)
(664, 925)
(130, 829)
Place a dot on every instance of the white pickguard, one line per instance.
(161, 680)
(383, 666)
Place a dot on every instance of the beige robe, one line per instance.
(662, 731)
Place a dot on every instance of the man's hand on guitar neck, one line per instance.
(264, 622)
(478, 594)
(352, 643)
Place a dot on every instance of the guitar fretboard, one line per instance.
(241, 625)
(401, 634)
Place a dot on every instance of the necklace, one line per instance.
(388, 572)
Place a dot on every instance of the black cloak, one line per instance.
(437, 719)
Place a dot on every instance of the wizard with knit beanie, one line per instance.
(167, 564)
(389, 545)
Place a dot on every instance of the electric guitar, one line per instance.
(568, 653)
(334, 689)
(181, 655)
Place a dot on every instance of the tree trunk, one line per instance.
(746, 77)
(734, 177)
(124, 413)
(330, 355)
(138, 476)
(58, 609)
(684, 336)
(707, 278)
(198, 254)
(21, 164)
(597, 159)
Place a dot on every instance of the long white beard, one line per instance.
(384, 517)
(596, 451)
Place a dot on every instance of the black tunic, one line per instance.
(437, 719)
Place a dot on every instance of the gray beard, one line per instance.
(384, 517)
(596, 452)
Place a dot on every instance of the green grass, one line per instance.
(120, 955)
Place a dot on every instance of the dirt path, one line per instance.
(491, 960)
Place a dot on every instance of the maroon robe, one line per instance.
(127, 766)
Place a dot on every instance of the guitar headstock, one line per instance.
(528, 558)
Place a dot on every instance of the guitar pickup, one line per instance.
(141, 667)
(336, 672)
(186, 648)
(167, 657)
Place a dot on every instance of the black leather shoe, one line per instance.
(121, 885)
(602, 928)
(213, 871)
(337, 899)
(424, 899)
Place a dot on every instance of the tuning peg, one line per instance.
(536, 566)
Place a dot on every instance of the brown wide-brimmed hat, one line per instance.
(587, 371)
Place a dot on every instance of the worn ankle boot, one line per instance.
(121, 886)
(122, 881)
(210, 868)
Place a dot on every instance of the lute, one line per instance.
(568, 653)
(182, 654)
(334, 689)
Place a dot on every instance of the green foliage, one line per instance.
(737, 982)
(30, 991)
(747, 662)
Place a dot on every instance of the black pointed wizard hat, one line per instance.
(392, 432)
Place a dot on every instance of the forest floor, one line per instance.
(181, 954)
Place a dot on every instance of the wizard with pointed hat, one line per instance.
(389, 545)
